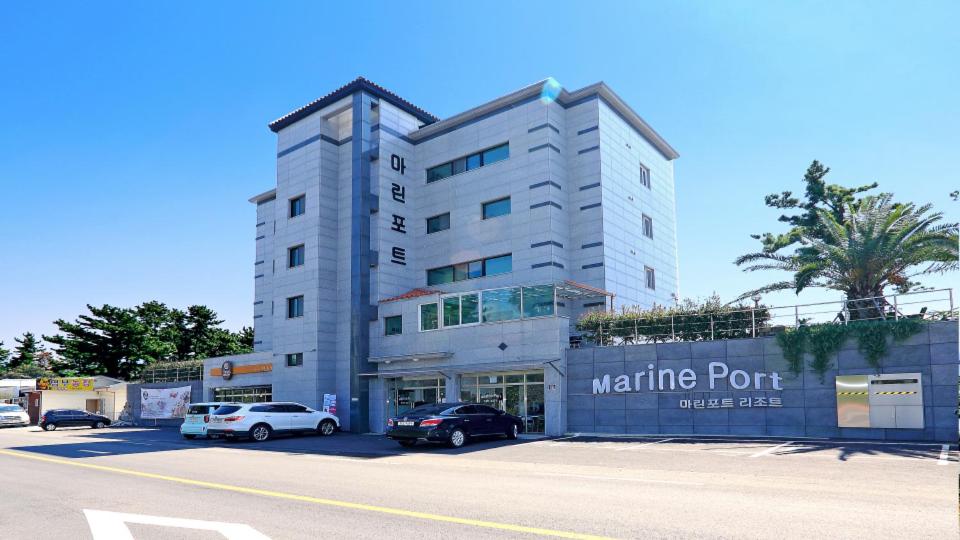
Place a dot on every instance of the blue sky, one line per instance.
(133, 134)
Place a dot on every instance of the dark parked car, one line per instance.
(55, 418)
(452, 423)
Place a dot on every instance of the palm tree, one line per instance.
(877, 243)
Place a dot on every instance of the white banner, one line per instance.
(164, 402)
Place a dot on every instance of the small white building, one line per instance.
(107, 397)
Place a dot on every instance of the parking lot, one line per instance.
(575, 487)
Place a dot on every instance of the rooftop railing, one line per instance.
(661, 325)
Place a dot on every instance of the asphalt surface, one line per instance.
(82, 484)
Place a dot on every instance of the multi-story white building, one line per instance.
(402, 258)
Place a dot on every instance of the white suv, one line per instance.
(261, 421)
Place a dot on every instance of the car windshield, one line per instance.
(199, 409)
(436, 408)
(10, 408)
(226, 409)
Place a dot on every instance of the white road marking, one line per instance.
(113, 526)
(944, 455)
(632, 448)
(617, 479)
(93, 451)
(771, 450)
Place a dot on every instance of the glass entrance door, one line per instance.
(520, 394)
(405, 394)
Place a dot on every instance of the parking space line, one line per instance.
(315, 500)
(641, 446)
(771, 450)
(944, 455)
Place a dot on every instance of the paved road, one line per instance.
(366, 487)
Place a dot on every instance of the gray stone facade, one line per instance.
(809, 405)
(574, 174)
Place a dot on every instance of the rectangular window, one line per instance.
(295, 307)
(438, 276)
(429, 319)
(295, 256)
(495, 154)
(498, 265)
(438, 223)
(499, 207)
(295, 359)
(470, 308)
(647, 226)
(501, 305)
(651, 277)
(393, 326)
(468, 163)
(451, 311)
(298, 205)
(470, 270)
(538, 301)
(644, 176)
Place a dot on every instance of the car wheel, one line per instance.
(50, 427)
(99, 425)
(407, 444)
(327, 427)
(189, 436)
(513, 431)
(261, 432)
(457, 438)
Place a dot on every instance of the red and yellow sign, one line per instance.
(240, 370)
(66, 384)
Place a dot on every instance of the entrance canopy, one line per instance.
(573, 290)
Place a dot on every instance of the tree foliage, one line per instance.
(120, 342)
(855, 245)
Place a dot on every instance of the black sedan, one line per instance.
(452, 423)
(55, 418)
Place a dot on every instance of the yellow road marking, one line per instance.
(317, 500)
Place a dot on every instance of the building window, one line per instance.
(501, 305)
(470, 270)
(644, 176)
(651, 277)
(295, 359)
(498, 265)
(438, 223)
(295, 307)
(494, 305)
(393, 326)
(295, 256)
(244, 394)
(298, 205)
(499, 207)
(468, 163)
(537, 301)
(647, 226)
(429, 319)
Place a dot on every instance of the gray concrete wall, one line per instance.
(809, 404)
(133, 398)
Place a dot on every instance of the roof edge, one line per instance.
(265, 196)
(565, 98)
(359, 84)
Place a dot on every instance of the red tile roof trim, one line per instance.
(414, 293)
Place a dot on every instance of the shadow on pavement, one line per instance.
(844, 450)
(120, 441)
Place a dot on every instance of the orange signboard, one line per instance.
(240, 370)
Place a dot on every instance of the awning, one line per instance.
(471, 368)
(413, 357)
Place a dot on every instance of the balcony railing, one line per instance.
(653, 327)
